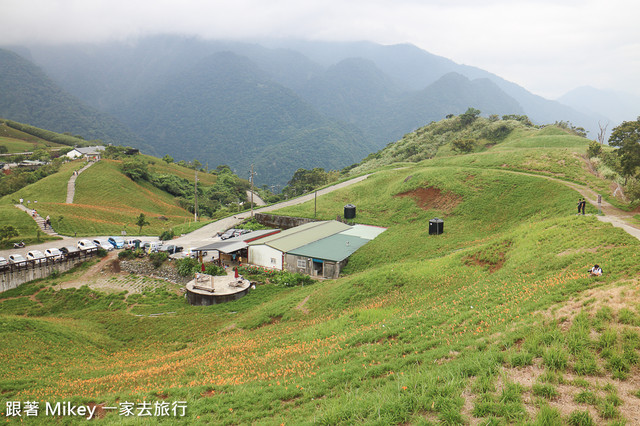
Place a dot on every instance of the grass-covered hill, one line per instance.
(493, 322)
(107, 200)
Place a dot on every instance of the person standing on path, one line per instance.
(579, 205)
(584, 204)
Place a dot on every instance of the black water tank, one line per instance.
(436, 226)
(349, 211)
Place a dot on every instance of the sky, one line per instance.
(547, 46)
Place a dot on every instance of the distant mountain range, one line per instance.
(279, 105)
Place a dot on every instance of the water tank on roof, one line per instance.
(349, 211)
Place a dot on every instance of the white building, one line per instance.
(89, 152)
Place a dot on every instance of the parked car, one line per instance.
(103, 243)
(238, 232)
(116, 242)
(151, 246)
(53, 253)
(228, 234)
(3, 262)
(192, 252)
(131, 243)
(16, 258)
(172, 249)
(86, 245)
(70, 251)
(37, 256)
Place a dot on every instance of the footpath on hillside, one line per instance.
(71, 185)
(71, 190)
(610, 213)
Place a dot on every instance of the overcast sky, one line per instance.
(549, 47)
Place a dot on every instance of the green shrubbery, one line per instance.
(167, 235)
(157, 259)
(187, 266)
(280, 278)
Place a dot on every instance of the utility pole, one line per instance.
(251, 179)
(315, 204)
(195, 208)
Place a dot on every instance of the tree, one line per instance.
(135, 169)
(3, 149)
(40, 154)
(626, 137)
(8, 231)
(142, 221)
(167, 159)
(304, 181)
(602, 132)
(470, 116)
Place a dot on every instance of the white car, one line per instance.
(103, 243)
(193, 252)
(151, 246)
(16, 258)
(3, 261)
(37, 256)
(86, 245)
(53, 253)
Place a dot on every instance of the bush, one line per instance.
(167, 235)
(594, 150)
(102, 252)
(463, 145)
(212, 269)
(157, 259)
(126, 255)
(288, 279)
(187, 266)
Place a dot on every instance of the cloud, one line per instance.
(548, 46)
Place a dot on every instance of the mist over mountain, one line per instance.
(225, 110)
(615, 106)
(27, 95)
(277, 104)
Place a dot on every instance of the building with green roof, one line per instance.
(319, 249)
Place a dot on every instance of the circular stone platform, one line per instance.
(207, 290)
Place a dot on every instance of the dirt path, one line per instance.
(301, 306)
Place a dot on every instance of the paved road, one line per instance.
(207, 234)
(198, 238)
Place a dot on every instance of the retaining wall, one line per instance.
(281, 222)
(11, 276)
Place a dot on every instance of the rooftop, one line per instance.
(302, 235)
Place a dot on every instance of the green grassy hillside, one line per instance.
(106, 202)
(493, 322)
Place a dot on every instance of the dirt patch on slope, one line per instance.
(432, 198)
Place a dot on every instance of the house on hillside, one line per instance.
(318, 249)
(89, 153)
